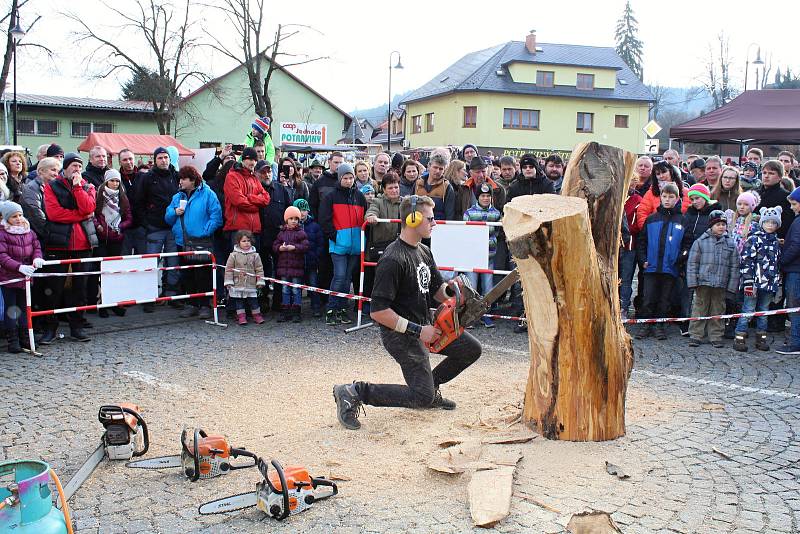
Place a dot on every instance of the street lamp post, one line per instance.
(757, 61)
(17, 33)
(389, 112)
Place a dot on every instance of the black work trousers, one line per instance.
(414, 359)
(657, 295)
(54, 286)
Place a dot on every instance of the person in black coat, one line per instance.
(271, 222)
(533, 180)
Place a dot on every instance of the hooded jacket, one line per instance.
(443, 196)
(324, 185)
(650, 203)
(659, 242)
(68, 208)
(155, 192)
(239, 271)
(713, 262)
(760, 264)
(17, 249)
(776, 195)
(341, 215)
(272, 214)
(384, 208)
(291, 263)
(244, 198)
(316, 242)
(534, 186)
(94, 175)
(695, 224)
(33, 205)
(202, 217)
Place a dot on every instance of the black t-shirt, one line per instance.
(406, 279)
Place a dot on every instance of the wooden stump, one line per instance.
(580, 353)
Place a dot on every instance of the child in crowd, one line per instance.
(368, 191)
(20, 256)
(240, 281)
(744, 221)
(291, 246)
(712, 271)
(316, 244)
(790, 267)
(749, 178)
(483, 210)
(659, 243)
(761, 276)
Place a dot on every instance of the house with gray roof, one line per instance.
(524, 96)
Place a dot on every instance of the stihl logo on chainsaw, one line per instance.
(202, 456)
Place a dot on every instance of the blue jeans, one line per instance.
(238, 304)
(760, 302)
(627, 266)
(791, 287)
(343, 267)
(486, 280)
(291, 295)
(312, 279)
(163, 241)
(15, 316)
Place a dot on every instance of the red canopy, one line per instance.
(769, 116)
(137, 143)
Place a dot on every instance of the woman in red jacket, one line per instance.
(663, 173)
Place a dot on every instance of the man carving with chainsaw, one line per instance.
(406, 283)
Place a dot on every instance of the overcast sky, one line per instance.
(359, 36)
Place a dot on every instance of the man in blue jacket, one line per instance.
(790, 265)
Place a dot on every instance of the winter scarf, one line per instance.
(111, 212)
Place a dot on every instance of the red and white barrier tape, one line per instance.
(34, 313)
(127, 271)
(301, 286)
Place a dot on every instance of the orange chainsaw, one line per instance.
(202, 456)
(464, 307)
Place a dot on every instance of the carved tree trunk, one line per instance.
(581, 356)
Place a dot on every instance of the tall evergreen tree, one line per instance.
(629, 46)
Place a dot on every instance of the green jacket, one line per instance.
(270, 148)
(383, 208)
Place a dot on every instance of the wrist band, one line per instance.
(402, 324)
(413, 329)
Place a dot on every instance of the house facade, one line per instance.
(526, 97)
(222, 110)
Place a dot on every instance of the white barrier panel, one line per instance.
(129, 286)
(461, 246)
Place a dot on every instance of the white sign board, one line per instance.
(466, 247)
(200, 159)
(129, 286)
(303, 133)
(651, 146)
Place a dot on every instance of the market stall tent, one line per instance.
(137, 143)
(768, 116)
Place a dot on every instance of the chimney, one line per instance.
(530, 42)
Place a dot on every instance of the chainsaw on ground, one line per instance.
(465, 307)
(125, 437)
(282, 493)
(202, 456)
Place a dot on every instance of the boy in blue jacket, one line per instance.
(790, 265)
(660, 243)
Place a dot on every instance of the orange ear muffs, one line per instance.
(414, 218)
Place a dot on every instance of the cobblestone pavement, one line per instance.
(710, 447)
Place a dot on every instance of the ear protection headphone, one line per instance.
(414, 218)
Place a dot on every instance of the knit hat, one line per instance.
(249, 153)
(8, 208)
(484, 189)
(700, 190)
(750, 165)
(111, 174)
(477, 164)
(290, 212)
(160, 150)
(671, 188)
(54, 150)
(344, 168)
(770, 214)
(795, 195)
(397, 160)
(261, 125)
(527, 159)
(367, 188)
(715, 217)
(469, 145)
(69, 158)
(301, 204)
(751, 198)
(699, 163)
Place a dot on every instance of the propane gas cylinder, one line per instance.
(28, 503)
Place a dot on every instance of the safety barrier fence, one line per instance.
(72, 261)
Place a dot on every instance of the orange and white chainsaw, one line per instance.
(202, 456)
(464, 307)
(282, 493)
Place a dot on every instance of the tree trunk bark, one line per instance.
(581, 355)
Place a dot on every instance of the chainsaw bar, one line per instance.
(161, 462)
(84, 472)
(475, 312)
(232, 503)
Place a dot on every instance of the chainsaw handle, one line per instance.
(327, 483)
(145, 433)
(243, 452)
(194, 454)
(284, 489)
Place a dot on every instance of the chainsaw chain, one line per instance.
(153, 466)
(225, 499)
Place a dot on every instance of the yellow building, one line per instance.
(522, 97)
